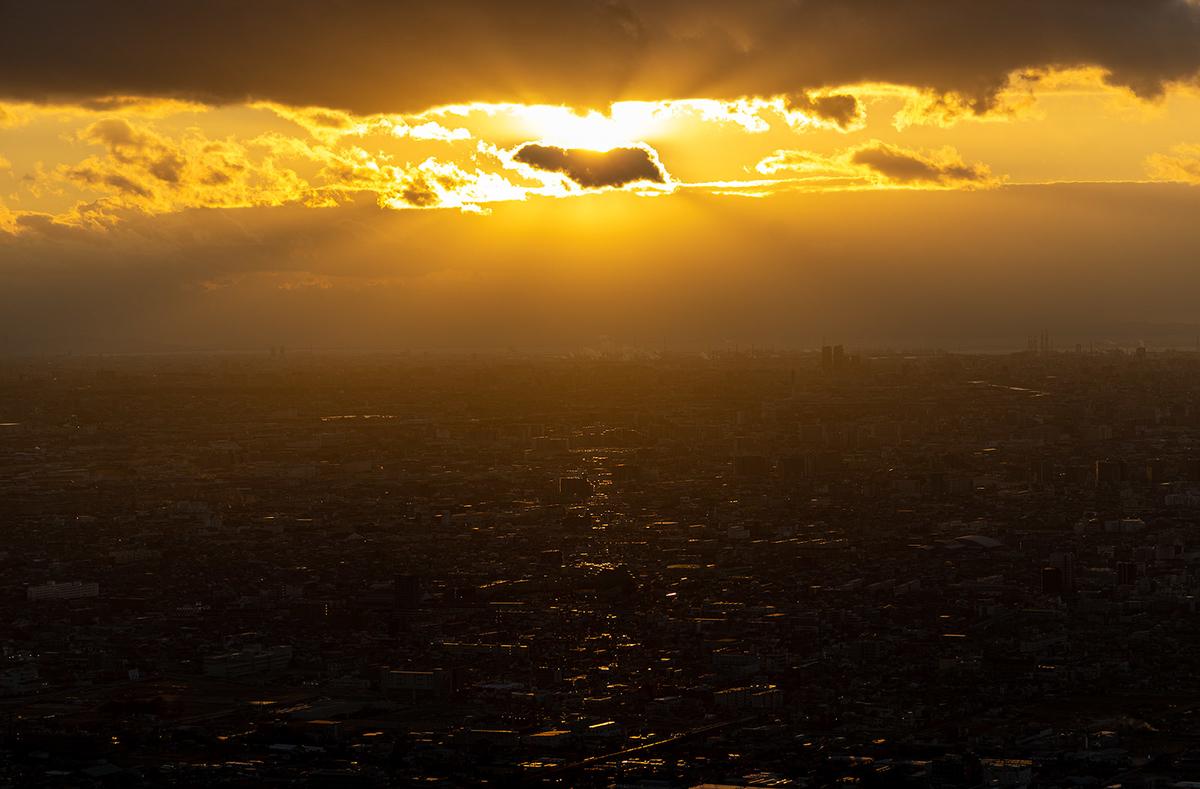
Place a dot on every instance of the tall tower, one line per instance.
(1051, 582)
(1065, 564)
(407, 591)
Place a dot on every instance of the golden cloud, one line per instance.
(880, 164)
(1184, 166)
(146, 107)
(932, 108)
(432, 131)
(9, 118)
(146, 170)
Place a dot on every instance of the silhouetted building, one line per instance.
(415, 684)
(626, 472)
(1127, 573)
(1108, 472)
(250, 661)
(577, 487)
(955, 770)
(614, 581)
(310, 609)
(793, 466)
(407, 591)
(53, 591)
(1052, 581)
(1065, 564)
(751, 466)
(820, 463)
(1154, 471)
(812, 435)
(342, 779)
(463, 595)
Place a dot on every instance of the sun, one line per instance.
(628, 122)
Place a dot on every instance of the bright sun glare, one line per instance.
(628, 122)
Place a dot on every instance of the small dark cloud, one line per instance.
(85, 175)
(123, 141)
(123, 103)
(841, 109)
(882, 164)
(109, 103)
(329, 120)
(168, 168)
(127, 185)
(594, 169)
(347, 173)
(420, 194)
(902, 166)
(114, 133)
(215, 178)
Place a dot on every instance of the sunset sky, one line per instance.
(590, 174)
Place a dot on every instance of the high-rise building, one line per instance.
(407, 591)
(1127, 573)
(1108, 472)
(578, 487)
(1052, 581)
(1154, 471)
(751, 466)
(792, 466)
(1040, 472)
(813, 435)
(1065, 564)
(626, 472)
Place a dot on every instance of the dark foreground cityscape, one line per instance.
(741, 569)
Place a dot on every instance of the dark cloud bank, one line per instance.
(937, 264)
(594, 169)
(371, 55)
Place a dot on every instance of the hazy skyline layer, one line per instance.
(374, 175)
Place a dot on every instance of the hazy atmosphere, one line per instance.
(600, 394)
